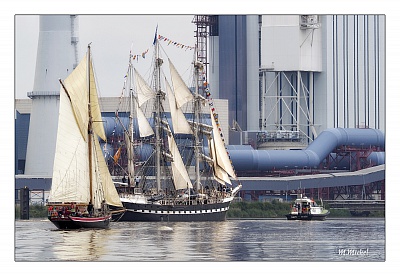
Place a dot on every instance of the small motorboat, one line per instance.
(304, 208)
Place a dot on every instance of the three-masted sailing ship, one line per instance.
(82, 192)
(186, 175)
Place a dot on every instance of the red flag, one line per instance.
(117, 155)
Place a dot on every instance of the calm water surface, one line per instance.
(231, 240)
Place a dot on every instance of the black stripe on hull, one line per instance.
(177, 213)
(306, 217)
(64, 223)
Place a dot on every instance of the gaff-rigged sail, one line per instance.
(179, 122)
(70, 181)
(77, 85)
(179, 173)
(182, 92)
(71, 172)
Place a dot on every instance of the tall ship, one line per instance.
(178, 166)
(82, 193)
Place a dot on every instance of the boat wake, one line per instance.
(166, 228)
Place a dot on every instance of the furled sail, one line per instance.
(143, 90)
(179, 122)
(221, 157)
(70, 182)
(179, 172)
(145, 128)
(182, 92)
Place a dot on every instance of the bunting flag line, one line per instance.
(174, 43)
(164, 39)
(142, 55)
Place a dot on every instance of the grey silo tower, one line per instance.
(57, 56)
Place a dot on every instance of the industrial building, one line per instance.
(300, 97)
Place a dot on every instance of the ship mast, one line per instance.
(197, 106)
(157, 72)
(90, 128)
(131, 166)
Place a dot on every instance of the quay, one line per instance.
(357, 207)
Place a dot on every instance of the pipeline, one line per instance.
(245, 158)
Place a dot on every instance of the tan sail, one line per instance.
(222, 157)
(77, 85)
(71, 172)
(182, 92)
(70, 182)
(105, 185)
(219, 173)
(143, 90)
(98, 126)
(179, 122)
(179, 173)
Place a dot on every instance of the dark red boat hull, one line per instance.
(71, 222)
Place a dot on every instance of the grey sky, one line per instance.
(112, 37)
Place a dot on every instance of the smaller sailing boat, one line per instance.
(82, 192)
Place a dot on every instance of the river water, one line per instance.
(361, 239)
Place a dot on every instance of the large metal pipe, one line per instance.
(245, 158)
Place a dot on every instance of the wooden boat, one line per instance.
(82, 191)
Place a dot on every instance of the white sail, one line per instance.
(145, 128)
(219, 173)
(143, 90)
(179, 122)
(70, 182)
(221, 155)
(182, 92)
(179, 173)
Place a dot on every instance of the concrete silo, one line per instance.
(57, 56)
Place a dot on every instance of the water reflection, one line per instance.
(253, 240)
(80, 245)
